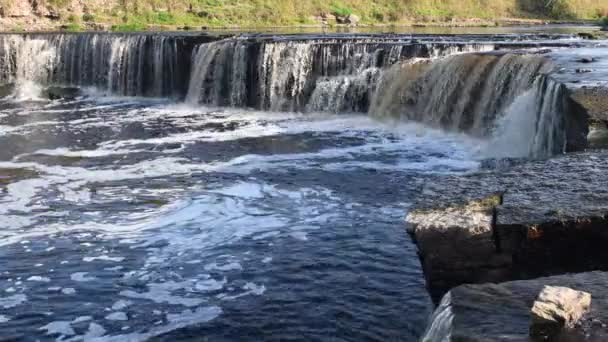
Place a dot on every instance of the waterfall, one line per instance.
(463, 93)
(298, 75)
(340, 94)
(134, 65)
(440, 327)
(533, 125)
(502, 97)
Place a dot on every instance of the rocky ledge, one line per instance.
(504, 312)
(518, 222)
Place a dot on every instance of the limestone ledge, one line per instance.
(523, 221)
(502, 312)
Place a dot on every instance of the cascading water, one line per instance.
(134, 65)
(398, 78)
(533, 125)
(463, 93)
(140, 219)
(440, 327)
(504, 98)
(317, 75)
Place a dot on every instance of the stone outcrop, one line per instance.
(525, 221)
(592, 101)
(502, 312)
(557, 309)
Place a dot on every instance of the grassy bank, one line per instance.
(141, 14)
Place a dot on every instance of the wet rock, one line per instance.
(455, 242)
(6, 89)
(556, 309)
(501, 312)
(586, 59)
(590, 35)
(56, 93)
(583, 71)
(529, 220)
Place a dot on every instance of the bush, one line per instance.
(604, 21)
(377, 15)
(88, 18)
(561, 9)
(341, 11)
(165, 18)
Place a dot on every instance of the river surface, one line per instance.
(130, 218)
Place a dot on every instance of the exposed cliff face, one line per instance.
(535, 219)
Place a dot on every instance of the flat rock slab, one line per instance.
(501, 312)
(529, 220)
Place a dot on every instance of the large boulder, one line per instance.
(556, 309)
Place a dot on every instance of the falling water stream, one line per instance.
(241, 189)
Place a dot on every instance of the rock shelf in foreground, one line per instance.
(526, 221)
(502, 312)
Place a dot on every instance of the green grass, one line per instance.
(130, 27)
(134, 15)
(341, 10)
(72, 27)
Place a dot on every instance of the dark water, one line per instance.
(131, 219)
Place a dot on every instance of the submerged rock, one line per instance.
(56, 93)
(587, 59)
(557, 308)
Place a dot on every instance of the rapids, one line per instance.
(250, 188)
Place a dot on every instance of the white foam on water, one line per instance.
(82, 277)
(4, 319)
(39, 279)
(233, 266)
(82, 319)
(176, 321)
(121, 304)
(103, 258)
(161, 293)
(95, 330)
(68, 291)
(117, 316)
(192, 224)
(63, 328)
(12, 301)
(208, 285)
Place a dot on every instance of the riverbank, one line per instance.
(142, 15)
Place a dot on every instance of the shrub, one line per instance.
(604, 21)
(88, 17)
(165, 18)
(377, 15)
(341, 11)
(561, 9)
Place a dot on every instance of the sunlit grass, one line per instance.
(129, 15)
